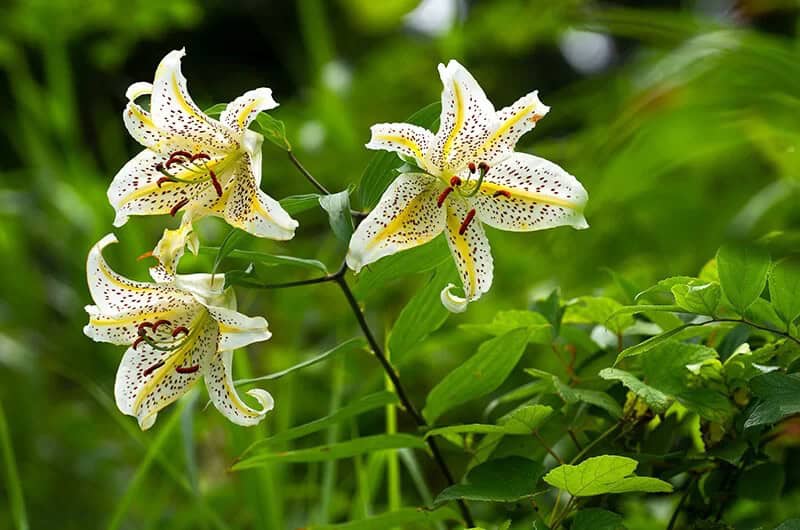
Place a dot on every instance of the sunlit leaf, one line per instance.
(505, 321)
(273, 130)
(743, 274)
(655, 399)
(784, 288)
(601, 475)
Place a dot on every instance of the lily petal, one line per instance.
(173, 110)
(243, 110)
(251, 209)
(404, 138)
(470, 248)
(237, 330)
(141, 127)
(219, 381)
(406, 216)
(149, 379)
(135, 189)
(525, 193)
(466, 121)
(170, 248)
(510, 124)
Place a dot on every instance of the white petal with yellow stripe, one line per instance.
(405, 139)
(219, 382)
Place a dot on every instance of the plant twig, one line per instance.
(314, 182)
(594, 442)
(679, 507)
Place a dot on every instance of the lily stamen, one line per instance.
(187, 369)
(504, 193)
(178, 206)
(153, 368)
(466, 222)
(455, 181)
(159, 323)
(180, 329)
(443, 196)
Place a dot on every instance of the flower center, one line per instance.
(193, 168)
(162, 336)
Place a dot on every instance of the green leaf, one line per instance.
(266, 259)
(762, 483)
(337, 451)
(779, 396)
(300, 203)
(273, 130)
(379, 173)
(663, 289)
(338, 207)
(396, 519)
(507, 479)
(525, 419)
(743, 274)
(601, 475)
(479, 375)
(552, 310)
(215, 110)
(653, 342)
(698, 297)
(504, 321)
(789, 524)
(708, 403)
(664, 366)
(419, 259)
(597, 310)
(784, 288)
(423, 315)
(597, 519)
(228, 245)
(655, 399)
(572, 395)
(364, 404)
(12, 483)
(469, 428)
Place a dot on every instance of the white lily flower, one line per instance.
(194, 163)
(469, 174)
(176, 331)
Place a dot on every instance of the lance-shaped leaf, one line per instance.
(505, 321)
(655, 399)
(601, 475)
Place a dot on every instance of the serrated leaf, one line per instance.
(597, 310)
(338, 207)
(379, 173)
(507, 479)
(742, 274)
(664, 366)
(597, 519)
(572, 395)
(273, 130)
(655, 399)
(505, 321)
(525, 419)
(784, 288)
(479, 375)
(337, 451)
(396, 519)
(698, 297)
(300, 203)
(778, 396)
(601, 475)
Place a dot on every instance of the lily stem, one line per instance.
(401, 392)
(314, 182)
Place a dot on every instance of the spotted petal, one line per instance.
(472, 255)
(173, 110)
(405, 139)
(251, 209)
(237, 330)
(170, 249)
(525, 193)
(243, 110)
(406, 216)
(219, 381)
(141, 127)
(510, 124)
(149, 379)
(466, 121)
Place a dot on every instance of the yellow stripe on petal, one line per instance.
(505, 127)
(245, 113)
(407, 214)
(405, 142)
(460, 242)
(458, 108)
(490, 188)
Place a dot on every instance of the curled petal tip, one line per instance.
(451, 302)
(353, 262)
(264, 399)
(138, 89)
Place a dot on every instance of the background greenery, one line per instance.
(685, 136)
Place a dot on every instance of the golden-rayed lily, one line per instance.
(193, 163)
(466, 174)
(176, 331)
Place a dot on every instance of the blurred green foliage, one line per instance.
(685, 134)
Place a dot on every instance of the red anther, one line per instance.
(199, 156)
(153, 368)
(137, 341)
(465, 223)
(180, 329)
(159, 323)
(174, 159)
(148, 254)
(159, 167)
(141, 329)
(471, 167)
(181, 204)
(483, 166)
(162, 180)
(455, 181)
(184, 154)
(187, 369)
(215, 182)
(504, 193)
(443, 196)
